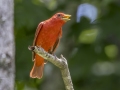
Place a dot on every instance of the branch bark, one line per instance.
(61, 63)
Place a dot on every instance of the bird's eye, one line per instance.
(58, 15)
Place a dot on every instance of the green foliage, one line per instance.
(111, 51)
(88, 36)
(92, 49)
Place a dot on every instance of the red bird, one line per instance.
(48, 34)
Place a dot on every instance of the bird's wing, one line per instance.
(56, 43)
(36, 34)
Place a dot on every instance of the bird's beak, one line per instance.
(66, 17)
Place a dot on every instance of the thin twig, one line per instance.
(59, 62)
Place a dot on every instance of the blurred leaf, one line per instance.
(111, 51)
(19, 85)
(88, 36)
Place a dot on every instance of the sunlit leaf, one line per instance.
(88, 36)
(111, 51)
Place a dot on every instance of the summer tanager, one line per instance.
(47, 36)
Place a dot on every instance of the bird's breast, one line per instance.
(48, 36)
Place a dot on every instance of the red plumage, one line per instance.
(48, 34)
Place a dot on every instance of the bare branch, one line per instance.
(59, 62)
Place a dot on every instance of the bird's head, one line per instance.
(62, 17)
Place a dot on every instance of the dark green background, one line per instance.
(92, 50)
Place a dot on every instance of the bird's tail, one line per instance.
(37, 70)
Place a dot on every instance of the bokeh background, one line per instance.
(90, 43)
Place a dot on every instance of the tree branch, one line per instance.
(59, 62)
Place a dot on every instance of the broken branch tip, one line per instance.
(31, 48)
